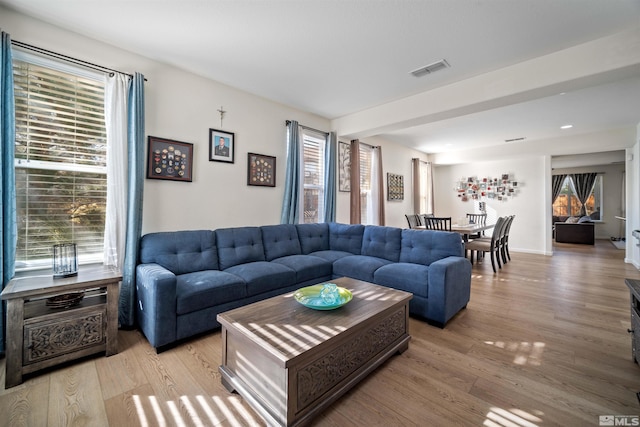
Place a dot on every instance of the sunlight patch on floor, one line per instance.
(198, 411)
(526, 353)
(498, 417)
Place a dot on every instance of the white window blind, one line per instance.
(366, 156)
(60, 160)
(313, 180)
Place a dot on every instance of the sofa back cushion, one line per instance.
(346, 237)
(313, 237)
(280, 241)
(180, 251)
(382, 242)
(239, 246)
(427, 246)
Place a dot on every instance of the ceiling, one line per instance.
(339, 57)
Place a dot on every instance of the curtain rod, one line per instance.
(308, 128)
(67, 58)
(367, 145)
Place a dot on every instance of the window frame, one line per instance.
(80, 72)
(308, 136)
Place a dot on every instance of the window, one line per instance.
(567, 203)
(313, 153)
(60, 161)
(366, 190)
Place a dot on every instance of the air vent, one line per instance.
(515, 139)
(431, 68)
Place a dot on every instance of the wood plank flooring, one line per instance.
(543, 342)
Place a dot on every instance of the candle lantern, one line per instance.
(65, 260)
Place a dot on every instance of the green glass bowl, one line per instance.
(310, 297)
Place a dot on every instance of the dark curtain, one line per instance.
(355, 183)
(583, 183)
(556, 186)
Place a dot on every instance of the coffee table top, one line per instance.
(286, 328)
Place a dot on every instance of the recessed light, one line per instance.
(566, 127)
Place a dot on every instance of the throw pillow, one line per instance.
(585, 218)
(572, 220)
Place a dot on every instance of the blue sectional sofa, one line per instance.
(185, 278)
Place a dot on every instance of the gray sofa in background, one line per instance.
(185, 278)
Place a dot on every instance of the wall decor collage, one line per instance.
(474, 188)
(173, 160)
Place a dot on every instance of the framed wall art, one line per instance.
(221, 146)
(344, 166)
(261, 170)
(168, 159)
(395, 187)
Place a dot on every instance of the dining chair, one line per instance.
(493, 245)
(505, 239)
(477, 219)
(413, 220)
(437, 223)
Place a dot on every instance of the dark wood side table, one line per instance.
(41, 334)
(634, 288)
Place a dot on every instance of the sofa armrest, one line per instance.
(449, 288)
(156, 297)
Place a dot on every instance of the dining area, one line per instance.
(478, 236)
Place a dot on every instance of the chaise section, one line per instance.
(431, 266)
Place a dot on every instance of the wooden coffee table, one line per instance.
(289, 362)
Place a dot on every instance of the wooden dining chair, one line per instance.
(437, 223)
(505, 239)
(413, 220)
(477, 219)
(493, 245)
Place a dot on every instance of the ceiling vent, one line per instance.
(431, 68)
(515, 139)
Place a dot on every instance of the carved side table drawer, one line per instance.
(51, 321)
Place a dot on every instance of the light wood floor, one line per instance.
(543, 342)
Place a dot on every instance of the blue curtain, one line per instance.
(8, 184)
(290, 203)
(127, 308)
(330, 159)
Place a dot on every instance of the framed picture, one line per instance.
(221, 146)
(344, 166)
(395, 187)
(168, 159)
(261, 170)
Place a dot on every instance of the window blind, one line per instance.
(313, 180)
(60, 155)
(366, 154)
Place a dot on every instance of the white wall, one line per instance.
(529, 226)
(182, 106)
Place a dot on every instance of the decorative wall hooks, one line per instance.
(473, 188)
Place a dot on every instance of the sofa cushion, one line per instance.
(202, 289)
(239, 246)
(382, 242)
(307, 267)
(346, 237)
(572, 220)
(404, 276)
(263, 276)
(426, 246)
(358, 267)
(585, 218)
(280, 240)
(313, 237)
(180, 251)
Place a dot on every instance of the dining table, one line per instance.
(468, 229)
